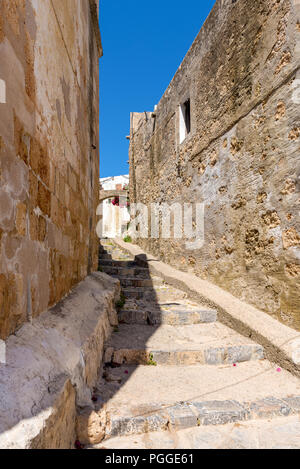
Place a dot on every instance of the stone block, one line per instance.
(269, 407)
(137, 424)
(182, 416)
(113, 317)
(21, 212)
(219, 412)
(108, 355)
(244, 353)
(293, 403)
(39, 160)
(22, 140)
(44, 199)
(214, 356)
(90, 426)
(133, 317)
(11, 303)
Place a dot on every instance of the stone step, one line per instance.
(114, 256)
(279, 433)
(171, 366)
(107, 242)
(116, 263)
(121, 257)
(104, 256)
(190, 396)
(108, 247)
(205, 344)
(162, 316)
(147, 398)
(140, 282)
(110, 250)
(139, 293)
(126, 272)
(202, 413)
(154, 294)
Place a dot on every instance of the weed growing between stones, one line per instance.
(151, 362)
(119, 304)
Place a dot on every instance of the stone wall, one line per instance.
(49, 168)
(241, 157)
(52, 366)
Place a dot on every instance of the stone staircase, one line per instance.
(170, 365)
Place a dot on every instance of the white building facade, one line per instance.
(114, 218)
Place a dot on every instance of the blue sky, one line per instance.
(144, 43)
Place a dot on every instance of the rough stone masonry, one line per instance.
(49, 168)
(49, 190)
(240, 82)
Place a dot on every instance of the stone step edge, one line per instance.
(121, 264)
(163, 287)
(227, 355)
(140, 292)
(154, 281)
(108, 257)
(175, 318)
(189, 415)
(133, 267)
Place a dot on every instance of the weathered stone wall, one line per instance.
(52, 366)
(49, 169)
(241, 157)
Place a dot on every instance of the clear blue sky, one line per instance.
(144, 43)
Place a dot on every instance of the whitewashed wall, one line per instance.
(113, 218)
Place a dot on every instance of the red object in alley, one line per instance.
(78, 445)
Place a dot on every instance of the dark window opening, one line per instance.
(187, 116)
(185, 120)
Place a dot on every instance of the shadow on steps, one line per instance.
(162, 338)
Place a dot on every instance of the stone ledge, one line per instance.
(195, 414)
(52, 364)
(281, 343)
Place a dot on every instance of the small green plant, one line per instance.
(119, 304)
(116, 329)
(100, 269)
(127, 239)
(151, 362)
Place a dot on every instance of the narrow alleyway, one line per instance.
(175, 377)
(190, 336)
